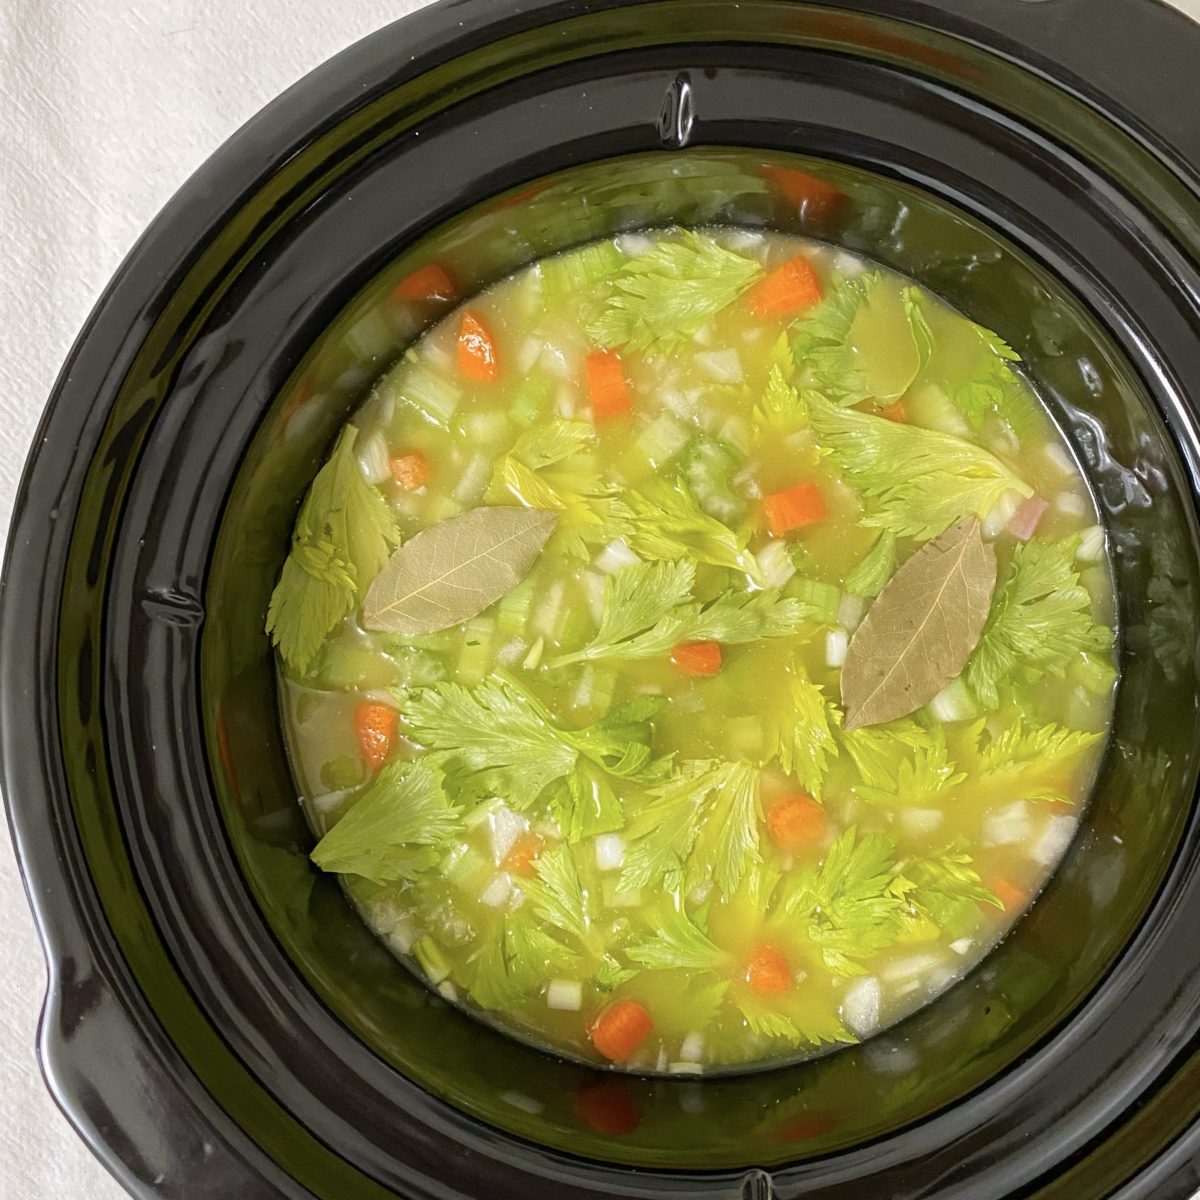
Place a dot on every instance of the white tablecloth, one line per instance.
(106, 106)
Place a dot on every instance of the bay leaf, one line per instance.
(922, 628)
(453, 570)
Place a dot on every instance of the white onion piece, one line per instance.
(565, 995)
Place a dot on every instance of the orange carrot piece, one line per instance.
(767, 972)
(788, 289)
(430, 282)
(607, 389)
(1011, 895)
(522, 857)
(795, 823)
(813, 198)
(620, 1029)
(477, 357)
(795, 507)
(894, 412)
(607, 1107)
(410, 470)
(697, 658)
(375, 728)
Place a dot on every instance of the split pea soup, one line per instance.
(696, 651)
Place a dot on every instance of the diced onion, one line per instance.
(954, 703)
(328, 802)
(373, 459)
(566, 402)
(1072, 503)
(921, 820)
(497, 893)
(565, 994)
(473, 480)
(1054, 840)
(837, 642)
(891, 1058)
(593, 590)
(912, 967)
(961, 946)
(447, 990)
(634, 245)
(616, 556)
(1091, 544)
(692, 1047)
(504, 827)
(401, 937)
(742, 240)
(1060, 458)
(661, 1064)
(704, 335)
(725, 366)
(848, 266)
(851, 610)
(775, 563)
(685, 1068)
(556, 361)
(1002, 512)
(528, 353)
(1008, 825)
(860, 1006)
(699, 893)
(545, 618)
(610, 851)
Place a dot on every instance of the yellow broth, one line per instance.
(694, 417)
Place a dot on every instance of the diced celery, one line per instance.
(484, 426)
(473, 480)
(1093, 673)
(574, 625)
(442, 509)
(345, 771)
(775, 563)
(548, 609)
(512, 612)
(825, 598)
(532, 398)
(430, 392)
(475, 657)
(466, 868)
(954, 702)
(433, 961)
(534, 658)
(345, 663)
(566, 274)
(661, 440)
(596, 688)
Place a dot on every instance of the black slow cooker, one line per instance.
(219, 1024)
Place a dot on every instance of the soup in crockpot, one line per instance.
(696, 651)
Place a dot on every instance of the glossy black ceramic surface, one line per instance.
(219, 1024)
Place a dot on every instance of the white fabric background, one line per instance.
(106, 107)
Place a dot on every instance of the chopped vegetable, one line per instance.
(410, 470)
(607, 389)
(375, 728)
(620, 1029)
(697, 658)
(430, 282)
(477, 356)
(795, 508)
(767, 972)
(789, 289)
(796, 823)
(813, 198)
(522, 858)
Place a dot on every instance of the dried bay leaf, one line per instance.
(452, 571)
(921, 630)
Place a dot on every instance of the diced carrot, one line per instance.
(620, 1029)
(477, 357)
(522, 857)
(607, 1107)
(697, 658)
(375, 727)
(430, 282)
(788, 289)
(813, 198)
(606, 385)
(803, 1127)
(895, 412)
(410, 469)
(795, 507)
(1011, 895)
(795, 823)
(521, 197)
(767, 971)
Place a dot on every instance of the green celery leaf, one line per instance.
(1020, 748)
(1041, 621)
(807, 745)
(900, 762)
(875, 569)
(676, 942)
(946, 886)
(662, 299)
(557, 896)
(343, 536)
(919, 481)
(395, 830)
